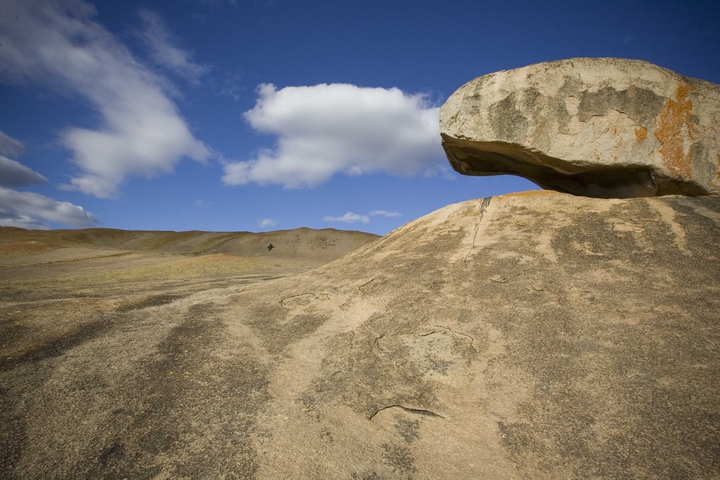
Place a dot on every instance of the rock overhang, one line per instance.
(598, 127)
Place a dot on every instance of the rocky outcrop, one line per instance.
(537, 335)
(599, 127)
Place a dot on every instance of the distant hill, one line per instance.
(302, 244)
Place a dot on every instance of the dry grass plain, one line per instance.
(49, 299)
(54, 283)
(62, 290)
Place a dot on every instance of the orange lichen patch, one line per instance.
(640, 133)
(676, 134)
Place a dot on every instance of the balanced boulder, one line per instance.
(599, 127)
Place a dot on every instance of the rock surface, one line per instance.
(536, 335)
(599, 127)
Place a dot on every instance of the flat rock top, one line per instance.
(536, 335)
(600, 127)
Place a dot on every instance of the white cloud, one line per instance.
(20, 209)
(384, 213)
(164, 50)
(268, 222)
(327, 129)
(23, 221)
(349, 217)
(15, 174)
(10, 146)
(59, 43)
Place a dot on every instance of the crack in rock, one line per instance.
(417, 411)
(483, 207)
(315, 296)
(450, 330)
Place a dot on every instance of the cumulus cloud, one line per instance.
(349, 217)
(268, 222)
(325, 129)
(15, 174)
(59, 43)
(20, 209)
(384, 213)
(165, 51)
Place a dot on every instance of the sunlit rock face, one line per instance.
(598, 127)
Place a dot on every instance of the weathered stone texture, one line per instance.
(599, 127)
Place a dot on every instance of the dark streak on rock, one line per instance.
(57, 347)
(154, 301)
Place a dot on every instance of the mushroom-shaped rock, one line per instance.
(598, 127)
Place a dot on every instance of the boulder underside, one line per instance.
(497, 158)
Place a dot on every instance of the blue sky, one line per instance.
(254, 115)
